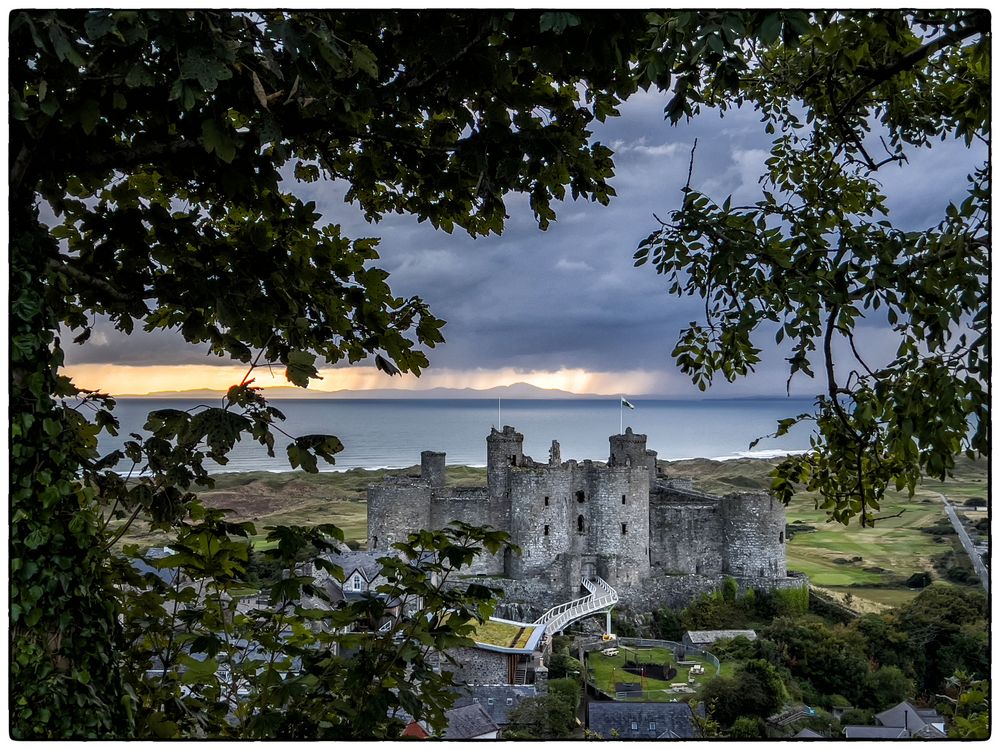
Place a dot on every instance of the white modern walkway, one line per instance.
(600, 599)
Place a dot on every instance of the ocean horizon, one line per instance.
(391, 433)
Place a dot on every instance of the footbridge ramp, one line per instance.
(601, 598)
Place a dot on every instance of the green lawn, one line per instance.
(606, 671)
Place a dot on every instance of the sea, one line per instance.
(391, 433)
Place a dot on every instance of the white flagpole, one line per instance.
(621, 414)
(499, 426)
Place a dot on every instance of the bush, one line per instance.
(857, 716)
(972, 502)
(568, 689)
(919, 580)
(747, 728)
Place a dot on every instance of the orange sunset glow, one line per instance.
(139, 380)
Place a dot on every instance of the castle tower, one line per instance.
(432, 468)
(397, 507)
(503, 451)
(628, 449)
(753, 531)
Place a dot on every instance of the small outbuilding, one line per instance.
(705, 638)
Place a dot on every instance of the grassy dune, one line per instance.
(889, 553)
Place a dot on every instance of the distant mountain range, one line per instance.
(516, 390)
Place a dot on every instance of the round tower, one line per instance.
(628, 449)
(753, 532)
(432, 468)
(397, 507)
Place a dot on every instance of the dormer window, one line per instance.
(357, 582)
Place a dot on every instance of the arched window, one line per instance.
(781, 537)
(581, 525)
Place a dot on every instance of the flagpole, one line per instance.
(621, 414)
(499, 426)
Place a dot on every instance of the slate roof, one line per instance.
(467, 695)
(853, 732)
(653, 720)
(351, 560)
(467, 722)
(708, 637)
(907, 715)
(807, 734)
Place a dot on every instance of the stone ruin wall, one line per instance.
(677, 542)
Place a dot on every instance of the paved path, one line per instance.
(970, 548)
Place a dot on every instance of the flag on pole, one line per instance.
(626, 403)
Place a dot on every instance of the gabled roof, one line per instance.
(908, 716)
(875, 733)
(807, 734)
(355, 560)
(653, 720)
(467, 722)
(498, 710)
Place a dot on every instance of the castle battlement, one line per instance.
(575, 519)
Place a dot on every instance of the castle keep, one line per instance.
(655, 540)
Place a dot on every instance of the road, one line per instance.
(970, 548)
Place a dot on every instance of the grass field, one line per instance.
(890, 552)
(607, 671)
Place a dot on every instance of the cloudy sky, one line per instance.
(562, 308)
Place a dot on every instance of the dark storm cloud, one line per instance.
(570, 297)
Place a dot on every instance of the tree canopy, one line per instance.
(848, 95)
(153, 162)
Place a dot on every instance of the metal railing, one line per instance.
(601, 597)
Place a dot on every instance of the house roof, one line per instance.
(910, 717)
(467, 722)
(807, 734)
(853, 732)
(711, 636)
(355, 560)
(498, 710)
(653, 720)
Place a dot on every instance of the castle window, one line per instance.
(579, 496)
(624, 528)
(546, 530)
(546, 500)
(781, 537)
(623, 499)
(581, 525)
(513, 460)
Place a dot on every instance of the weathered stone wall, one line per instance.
(754, 534)
(471, 505)
(397, 507)
(685, 532)
(619, 507)
(432, 468)
(476, 666)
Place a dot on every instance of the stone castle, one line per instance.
(654, 539)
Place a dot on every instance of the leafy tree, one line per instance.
(561, 664)
(886, 687)
(947, 632)
(754, 691)
(544, 717)
(152, 159)
(968, 706)
(848, 95)
(667, 625)
(748, 728)
(567, 688)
